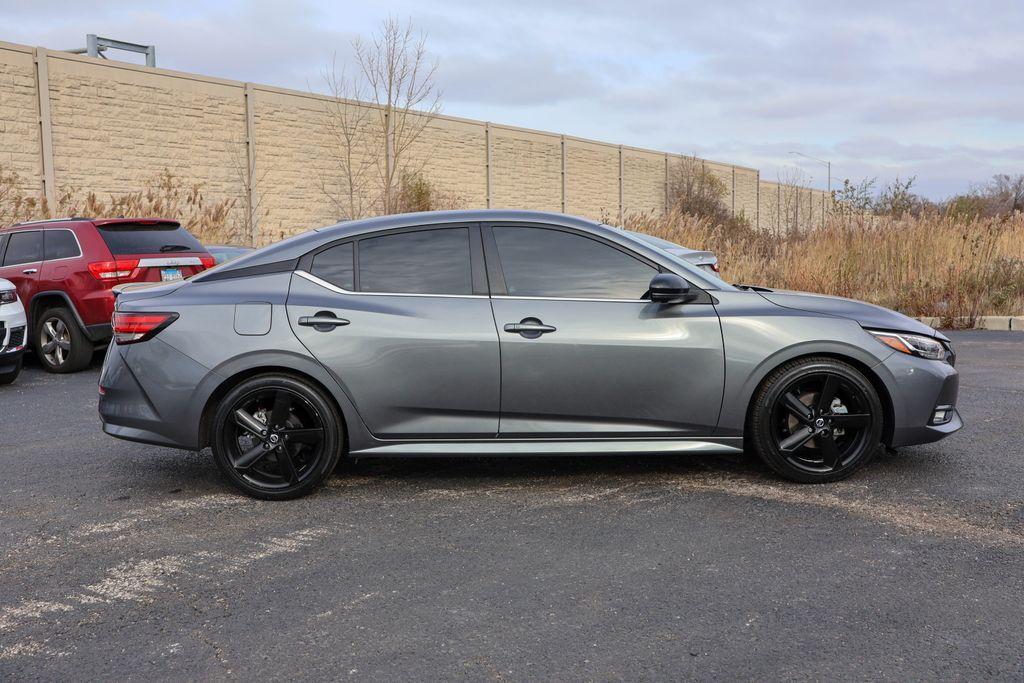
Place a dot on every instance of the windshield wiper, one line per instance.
(175, 247)
(752, 288)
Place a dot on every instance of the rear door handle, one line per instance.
(531, 328)
(322, 321)
(30, 271)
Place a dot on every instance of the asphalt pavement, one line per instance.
(125, 561)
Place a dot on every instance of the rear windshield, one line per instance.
(136, 238)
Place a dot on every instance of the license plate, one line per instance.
(170, 274)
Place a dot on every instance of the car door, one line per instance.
(22, 260)
(403, 320)
(583, 354)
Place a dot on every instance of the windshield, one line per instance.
(663, 246)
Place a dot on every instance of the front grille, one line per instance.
(17, 337)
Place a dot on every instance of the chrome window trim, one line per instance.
(334, 288)
(569, 298)
(64, 258)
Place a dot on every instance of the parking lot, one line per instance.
(127, 561)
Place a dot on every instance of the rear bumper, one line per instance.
(918, 387)
(100, 333)
(150, 393)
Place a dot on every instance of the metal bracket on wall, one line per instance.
(95, 46)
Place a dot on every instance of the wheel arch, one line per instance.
(231, 381)
(42, 301)
(884, 395)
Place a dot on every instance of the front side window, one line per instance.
(335, 265)
(554, 263)
(422, 262)
(59, 244)
(24, 247)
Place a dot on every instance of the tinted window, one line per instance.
(60, 244)
(422, 262)
(3, 245)
(543, 262)
(24, 247)
(136, 238)
(335, 266)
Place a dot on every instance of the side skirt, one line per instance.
(529, 447)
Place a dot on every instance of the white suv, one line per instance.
(12, 332)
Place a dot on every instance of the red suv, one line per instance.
(64, 270)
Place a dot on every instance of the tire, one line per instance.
(816, 420)
(60, 343)
(277, 437)
(11, 375)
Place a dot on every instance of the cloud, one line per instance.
(914, 87)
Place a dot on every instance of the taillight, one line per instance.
(136, 327)
(714, 267)
(208, 262)
(112, 271)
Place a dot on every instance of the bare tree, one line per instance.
(695, 190)
(248, 178)
(373, 145)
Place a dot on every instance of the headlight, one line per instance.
(8, 296)
(913, 344)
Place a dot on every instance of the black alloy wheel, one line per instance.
(816, 420)
(276, 437)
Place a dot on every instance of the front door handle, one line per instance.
(323, 321)
(531, 328)
(30, 271)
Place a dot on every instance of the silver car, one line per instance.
(474, 333)
(705, 260)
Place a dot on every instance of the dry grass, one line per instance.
(165, 196)
(952, 268)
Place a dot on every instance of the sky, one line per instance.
(880, 89)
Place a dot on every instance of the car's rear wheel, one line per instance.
(60, 343)
(276, 437)
(816, 420)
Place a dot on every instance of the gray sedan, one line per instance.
(474, 333)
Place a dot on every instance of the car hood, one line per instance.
(868, 315)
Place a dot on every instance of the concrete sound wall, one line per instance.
(73, 122)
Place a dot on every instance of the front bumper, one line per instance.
(917, 387)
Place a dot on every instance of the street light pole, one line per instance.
(828, 165)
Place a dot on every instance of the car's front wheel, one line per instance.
(816, 420)
(276, 437)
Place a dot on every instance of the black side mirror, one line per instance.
(669, 288)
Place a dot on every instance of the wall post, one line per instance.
(45, 127)
(666, 183)
(565, 199)
(487, 160)
(252, 198)
(621, 193)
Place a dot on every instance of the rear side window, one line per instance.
(422, 262)
(336, 266)
(24, 247)
(59, 244)
(124, 239)
(554, 263)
